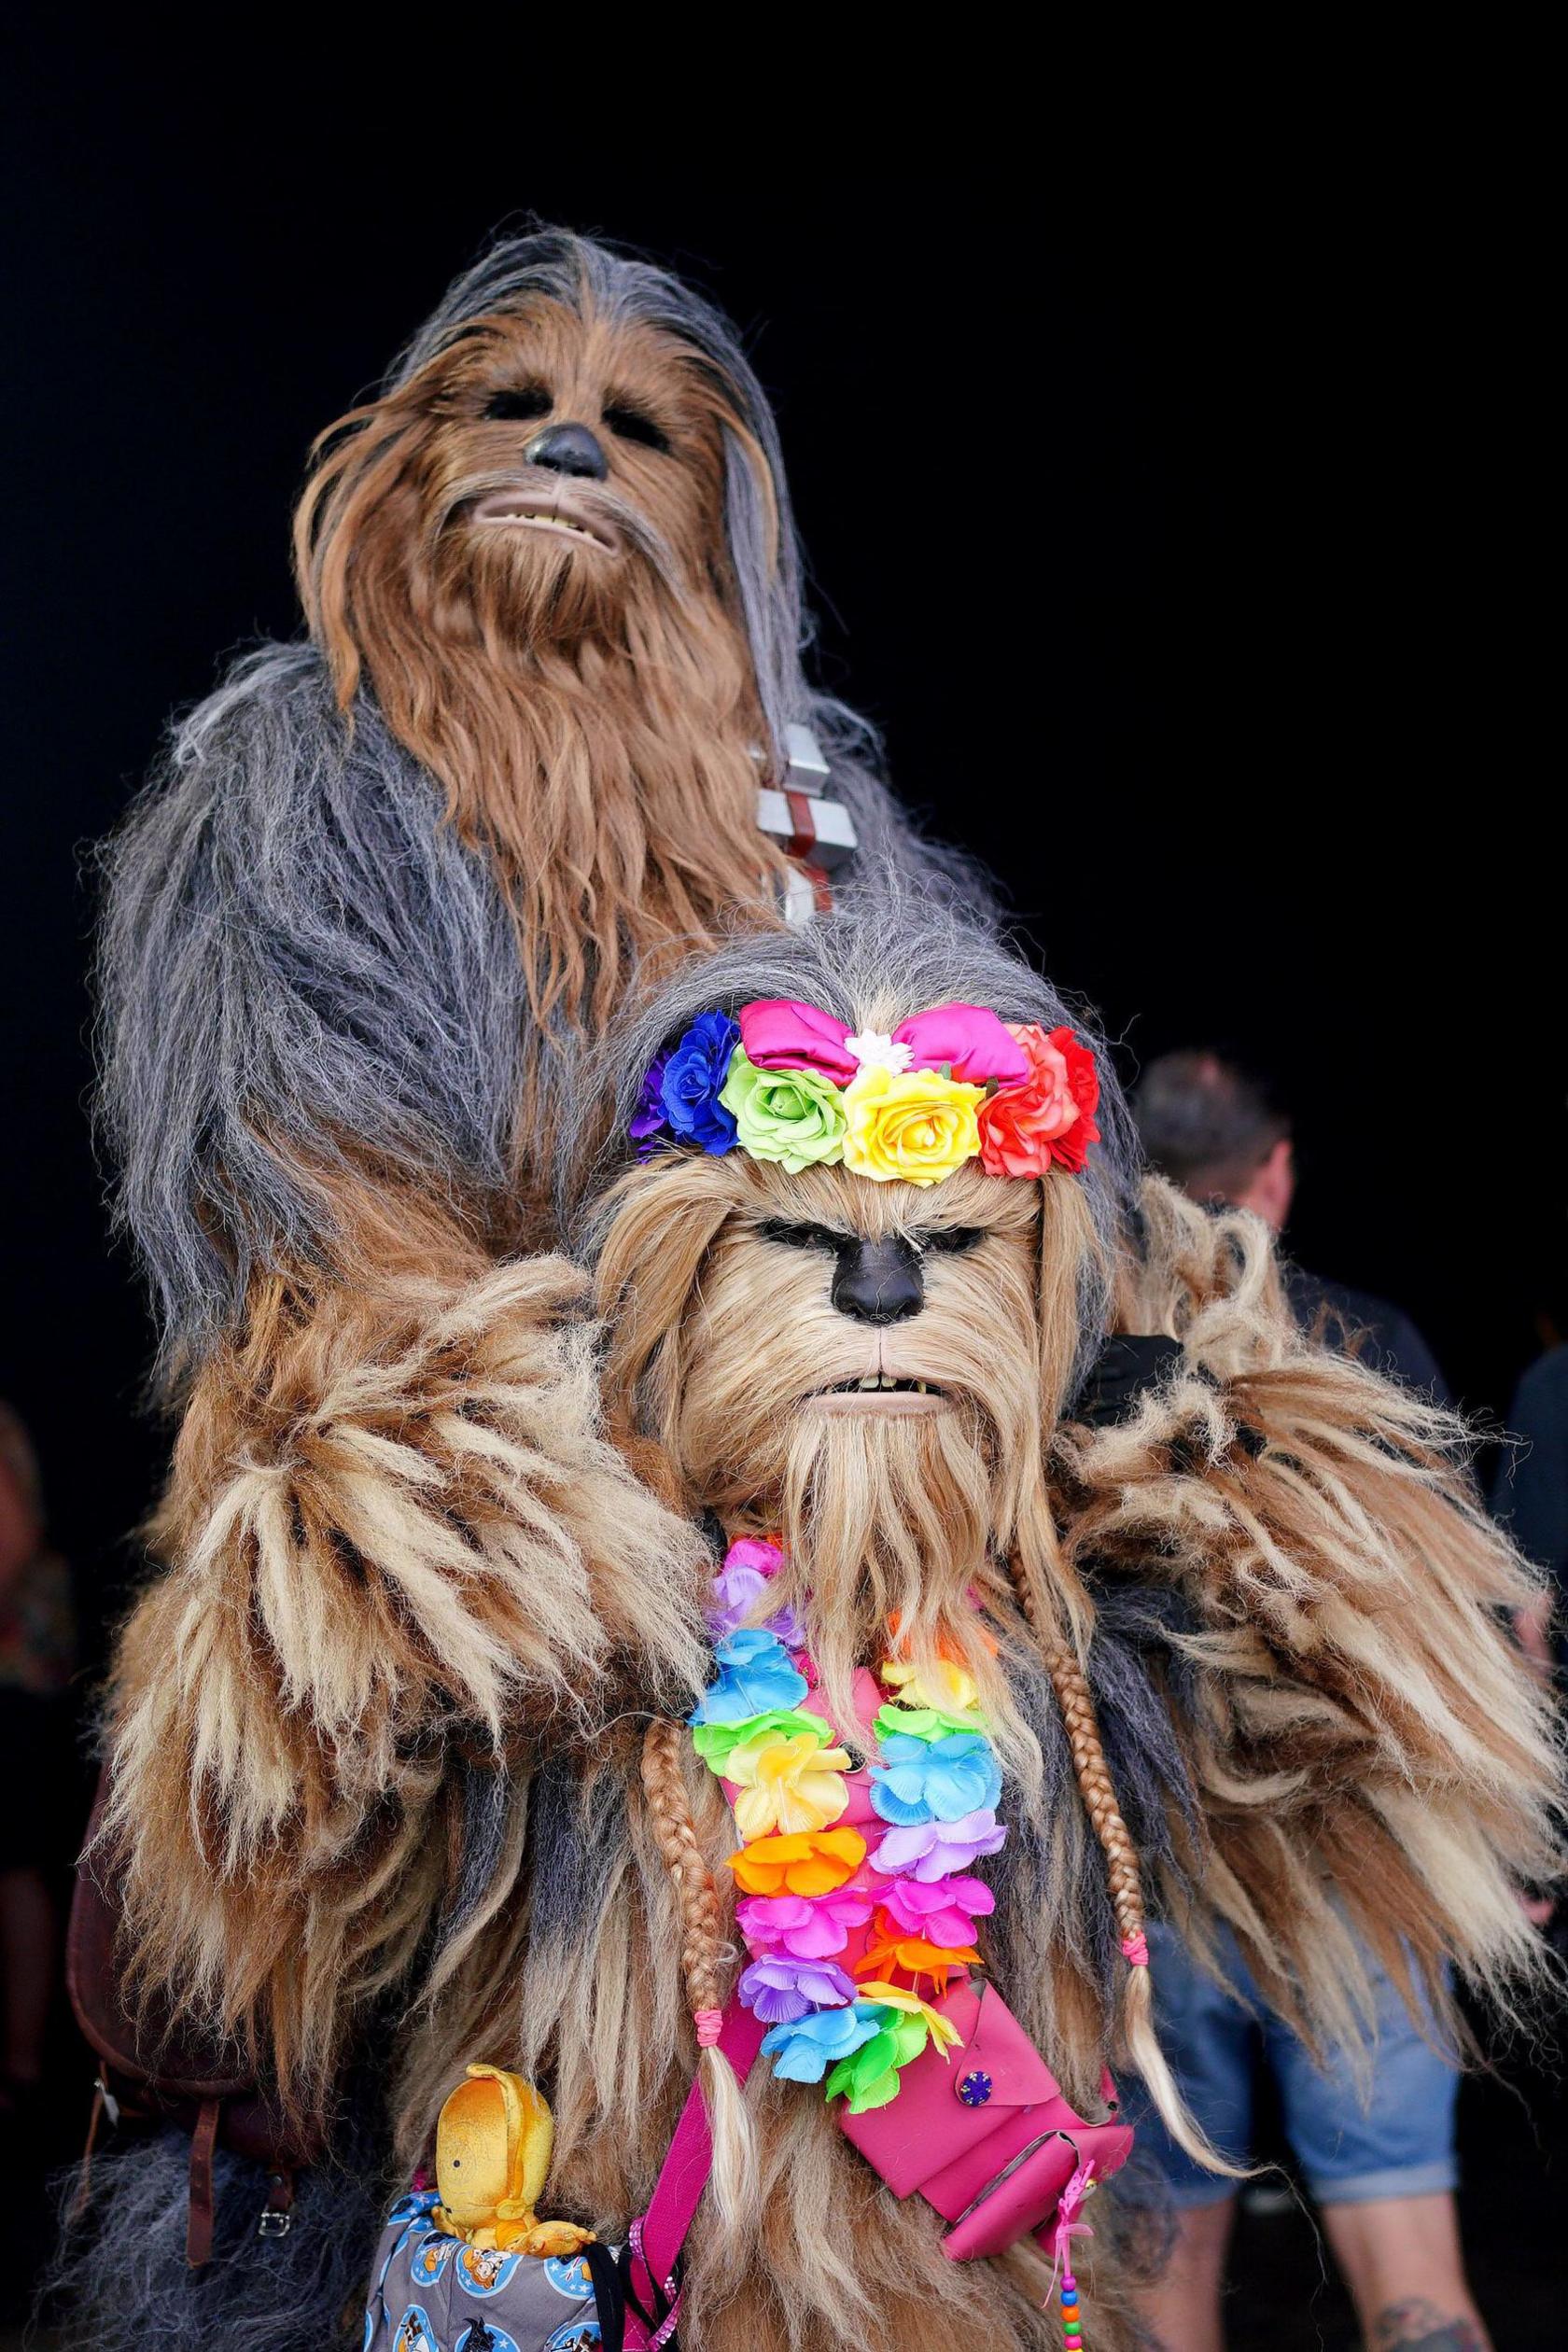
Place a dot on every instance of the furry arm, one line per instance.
(300, 968)
(394, 1535)
(1327, 1607)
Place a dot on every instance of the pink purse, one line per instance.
(988, 2139)
(985, 2136)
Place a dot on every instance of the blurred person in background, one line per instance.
(1376, 2151)
(36, 1766)
(1216, 1130)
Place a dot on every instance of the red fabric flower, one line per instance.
(1048, 1121)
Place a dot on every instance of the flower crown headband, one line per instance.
(788, 1083)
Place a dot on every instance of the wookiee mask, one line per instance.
(833, 1304)
(557, 550)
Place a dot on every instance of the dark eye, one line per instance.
(632, 425)
(802, 1237)
(951, 1240)
(528, 400)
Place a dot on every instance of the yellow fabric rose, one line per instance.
(787, 1785)
(942, 1682)
(913, 1124)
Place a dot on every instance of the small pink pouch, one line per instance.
(985, 2136)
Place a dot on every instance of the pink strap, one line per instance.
(657, 2240)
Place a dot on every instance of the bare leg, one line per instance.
(1401, 2260)
(1181, 2306)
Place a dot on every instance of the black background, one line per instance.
(1178, 521)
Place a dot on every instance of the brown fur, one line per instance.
(392, 1533)
(1369, 1747)
(591, 716)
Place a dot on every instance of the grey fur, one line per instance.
(295, 947)
(578, 1825)
(120, 2282)
(489, 1793)
(890, 947)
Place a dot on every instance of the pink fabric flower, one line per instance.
(804, 1928)
(749, 1564)
(969, 1040)
(943, 1911)
(756, 1553)
(779, 1033)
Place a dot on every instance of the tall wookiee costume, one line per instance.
(549, 728)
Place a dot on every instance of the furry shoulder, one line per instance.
(1296, 1547)
(299, 963)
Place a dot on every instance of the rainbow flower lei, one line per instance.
(841, 1932)
(787, 1083)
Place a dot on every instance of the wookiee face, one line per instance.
(536, 482)
(866, 1366)
(520, 553)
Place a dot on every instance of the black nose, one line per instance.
(569, 449)
(879, 1281)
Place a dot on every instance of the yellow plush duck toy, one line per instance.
(494, 2139)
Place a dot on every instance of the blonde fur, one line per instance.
(394, 1536)
(1377, 1771)
(714, 1335)
(900, 1522)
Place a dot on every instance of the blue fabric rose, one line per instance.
(754, 1677)
(695, 1071)
(934, 1780)
(804, 2049)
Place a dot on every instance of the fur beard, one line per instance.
(612, 784)
(890, 1525)
(894, 1520)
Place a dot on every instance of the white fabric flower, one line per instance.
(874, 1051)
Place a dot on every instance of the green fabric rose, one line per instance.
(870, 2077)
(794, 1116)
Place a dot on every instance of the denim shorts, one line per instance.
(1356, 2140)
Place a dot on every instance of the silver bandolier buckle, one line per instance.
(816, 834)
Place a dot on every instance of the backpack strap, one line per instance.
(659, 2235)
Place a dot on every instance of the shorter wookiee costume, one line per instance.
(1045, 1566)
